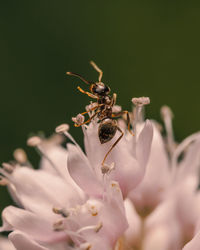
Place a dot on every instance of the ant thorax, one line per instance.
(107, 100)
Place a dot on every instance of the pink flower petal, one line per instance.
(82, 173)
(35, 226)
(132, 234)
(40, 191)
(143, 146)
(194, 244)
(22, 242)
(5, 244)
(157, 177)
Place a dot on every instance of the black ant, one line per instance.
(103, 109)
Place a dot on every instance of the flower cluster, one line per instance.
(145, 196)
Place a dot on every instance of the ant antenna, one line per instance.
(73, 74)
(97, 69)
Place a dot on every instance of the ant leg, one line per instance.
(128, 119)
(78, 125)
(98, 105)
(97, 69)
(87, 93)
(122, 133)
(90, 110)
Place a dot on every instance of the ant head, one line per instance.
(99, 89)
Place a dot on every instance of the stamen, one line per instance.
(58, 226)
(20, 156)
(64, 212)
(34, 141)
(93, 210)
(62, 128)
(65, 132)
(96, 228)
(116, 109)
(8, 167)
(167, 117)
(139, 103)
(106, 169)
(79, 119)
(3, 181)
(181, 147)
(85, 246)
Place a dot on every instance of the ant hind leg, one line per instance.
(120, 137)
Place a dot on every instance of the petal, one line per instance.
(187, 205)
(40, 191)
(58, 160)
(5, 244)
(21, 242)
(157, 239)
(82, 173)
(157, 177)
(163, 221)
(194, 243)
(113, 210)
(128, 173)
(190, 163)
(132, 234)
(143, 146)
(35, 226)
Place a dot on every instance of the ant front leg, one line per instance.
(122, 133)
(128, 119)
(98, 105)
(95, 107)
(87, 93)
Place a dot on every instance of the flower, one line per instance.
(144, 197)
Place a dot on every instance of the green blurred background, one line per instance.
(145, 48)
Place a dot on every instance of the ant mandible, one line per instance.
(103, 110)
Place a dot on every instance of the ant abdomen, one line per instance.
(107, 130)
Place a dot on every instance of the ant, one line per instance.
(103, 109)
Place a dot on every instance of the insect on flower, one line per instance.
(103, 109)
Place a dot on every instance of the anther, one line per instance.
(98, 227)
(34, 141)
(20, 156)
(85, 246)
(106, 169)
(62, 128)
(8, 167)
(141, 101)
(64, 212)
(58, 226)
(3, 181)
(79, 119)
(116, 109)
(93, 210)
